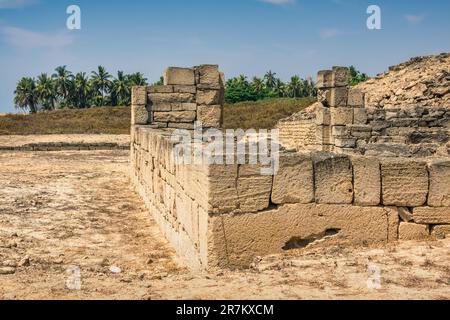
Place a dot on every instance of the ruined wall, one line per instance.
(345, 125)
(188, 95)
(218, 215)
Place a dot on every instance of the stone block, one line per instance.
(139, 96)
(355, 98)
(175, 116)
(185, 89)
(345, 142)
(323, 115)
(359, 116)
(367, 181)
(338, 97)
(439, 184)
(431, 215)
(333, 179)
(294, 181)
(323, 135)
(404, 183)
(340, 131)
(340, 76)
(139, 115)
(209, 97)
(183, 126)
(341, 116)
(162, 107)
(235, 240)
(184, 107)
(222, 186)
(179, 76)
(157, 98)
(208, 75)
(210, 116)
(160, 89)
(253, 189)
(441, 232)
(325, 79)
(412, 231)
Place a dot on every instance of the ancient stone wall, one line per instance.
(188, 95)
(344, 125)
(226, 215)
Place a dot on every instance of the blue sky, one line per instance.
(242, 36)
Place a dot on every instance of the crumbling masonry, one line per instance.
(341, 179)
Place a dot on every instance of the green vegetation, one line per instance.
(356, 77)
(239, 89)
(65, 90)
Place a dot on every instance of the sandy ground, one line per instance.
(61, 212)
(18, 141)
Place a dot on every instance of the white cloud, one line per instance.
(330, 33)
(279, 2)
(9, 4)
(414, 19)
(26, 39)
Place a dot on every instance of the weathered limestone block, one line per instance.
(359, 116)
(209, 97)
(294, 181)
(208, 75)
(439, 184)
(340, 131)
(338, 97)
(428, 215)
(162, 107)
(323, 115)
(236, 240)
(345, 142)
(222, 182)
(253, 189)
(367, 181)
(210, 116)
(139, 115)
(158, 98)
(355, 98)
(179, 76)
(333, 180)
(325, 79)
(341, 116)
(340, 76)
(184, 107)
(323, 135)
(412, 231)
(160, 89)
(139, 96)
(178, 125)
(175, 116)
(441, 232)
(185, 89)
(404, 183)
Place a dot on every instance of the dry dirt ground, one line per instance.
(60, 210)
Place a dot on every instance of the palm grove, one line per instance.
(63, 89)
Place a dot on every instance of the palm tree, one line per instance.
(242, 81)
(63, 82)
(295, 87)
(82, 91)
(138, 79)
(258, 84)
(279, 88)
(45, 88)
(270, 79)
(120, 92)
(26, 96)
(102, 84)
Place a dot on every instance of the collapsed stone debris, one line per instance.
(347, 174)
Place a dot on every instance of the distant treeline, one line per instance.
(63, 89)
